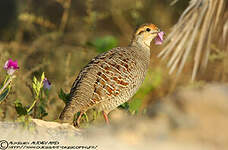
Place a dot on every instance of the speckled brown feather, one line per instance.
(109, 80)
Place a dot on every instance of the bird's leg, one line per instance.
(77, 123)
(106, 118)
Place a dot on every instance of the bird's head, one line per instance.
(146, 33)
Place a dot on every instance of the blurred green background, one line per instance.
(59, 37)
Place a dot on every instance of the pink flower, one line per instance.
(159, 39)
(11, 66)
(47, 84)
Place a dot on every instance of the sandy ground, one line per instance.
(190, 119)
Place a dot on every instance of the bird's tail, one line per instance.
(67, 115)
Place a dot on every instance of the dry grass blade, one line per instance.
(174, 38)
(36, 19)
(225, 31)
(178, 32)
(66, 6)
(176, 62)
(203, 35)
(190, 44)
(207, 53)
(183, 41)
(173, 2)
(168, 49)
(219, 11)
(201, 16)
(192, 6)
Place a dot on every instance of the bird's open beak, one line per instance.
(159, 38)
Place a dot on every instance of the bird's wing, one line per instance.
(101, 79)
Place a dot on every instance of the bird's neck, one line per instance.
(142, 53)
(140, 42)
(143, 47)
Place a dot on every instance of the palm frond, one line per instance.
(195, 30)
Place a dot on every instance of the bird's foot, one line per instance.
(106, 118)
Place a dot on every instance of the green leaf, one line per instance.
(1, 85)
(20, 109)
(41, 111)
(42, 77)
(63, 96)
(135, 105)
(34, 87)
(34, 80)
(37, 85)
(46, 92)
(105, 43)
(124, 106)
(4, 93)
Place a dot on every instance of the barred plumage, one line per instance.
(111, 78)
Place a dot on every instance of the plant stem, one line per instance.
(6, 79)
(86, 117)
(33, 104)
(6, 83)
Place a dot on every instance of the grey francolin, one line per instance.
(113, 77)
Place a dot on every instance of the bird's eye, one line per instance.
(148, 29)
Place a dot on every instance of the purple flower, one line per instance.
(159, 39)
(11, 66)
(47, 84)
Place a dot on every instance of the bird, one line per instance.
(113, 77)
